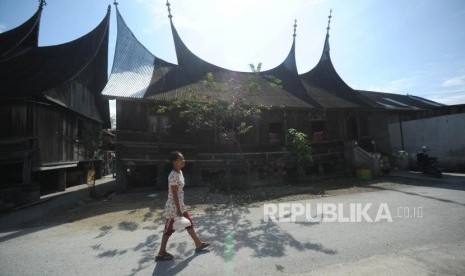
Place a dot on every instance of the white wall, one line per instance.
(444, 136)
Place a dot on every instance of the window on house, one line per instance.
(158, 123)
(275, 131)
(317, 129)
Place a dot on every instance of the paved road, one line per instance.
(426, 237)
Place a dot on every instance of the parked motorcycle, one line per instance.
(428, 164)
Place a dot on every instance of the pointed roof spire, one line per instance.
(325, 54)
(169, 10)
(289, 76)
(289, 63)
(42, 3)
(329, 22)
(324, 76)
(295, 28)
(191, 64)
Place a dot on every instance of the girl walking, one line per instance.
(175, 207)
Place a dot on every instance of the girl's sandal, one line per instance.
(165, 257)
(202, 246)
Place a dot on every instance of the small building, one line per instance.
(50, 103)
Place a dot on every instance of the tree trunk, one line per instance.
(247, 163)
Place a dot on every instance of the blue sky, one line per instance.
(398, 46)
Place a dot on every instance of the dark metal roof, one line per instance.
(137, 73)
(397, 101)
(326, 99)
(134, 67)
(192, 70)
(324, 76)
(22, 37)
(194, 67)
(40, 69)
(226, 82)
(59, 71)
(286, 72)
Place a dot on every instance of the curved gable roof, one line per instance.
(324, 76)
(287, 73)
(37, 70)
(134, 67)
(194, 67)
(138, 74)
(192, 70)
(24, 36)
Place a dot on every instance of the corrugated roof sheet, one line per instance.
(325, 98)
(397, 101)
(225, 82)
(134, 67)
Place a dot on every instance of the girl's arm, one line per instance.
(174, 190)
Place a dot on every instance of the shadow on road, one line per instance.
(173, 268)
(230, 229)
(47, 213)
(449, 186)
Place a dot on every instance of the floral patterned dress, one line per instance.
(175, 178)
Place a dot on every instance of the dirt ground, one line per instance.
(147, 205)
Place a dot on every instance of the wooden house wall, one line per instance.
(298, 119)
(16, 143)
(346, 124)
(143, 144)
(137, 121)
(57, 130)
(334, 125)
(266, 138)
(14, 119)
(362, 117)
(76, 96)
(377, 121)
(50, 129)
(37, 133)
(131, 115)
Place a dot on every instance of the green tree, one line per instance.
(224, 103)
(300, 149)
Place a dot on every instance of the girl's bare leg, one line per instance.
(164, 242)
(194, 237)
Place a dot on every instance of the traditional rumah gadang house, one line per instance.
(318, 103)
(49, 101)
